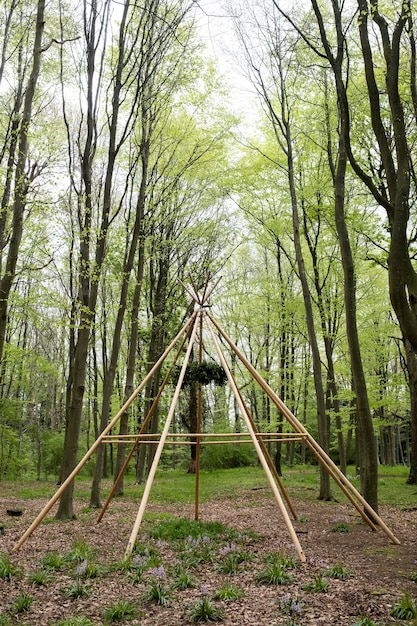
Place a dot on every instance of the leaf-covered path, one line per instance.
(380, 571)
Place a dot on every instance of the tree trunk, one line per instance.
(323, 425)
(411, 360)
(21, 176)
(131, 362)
(366, 442)
(87, 290)
(110, 374)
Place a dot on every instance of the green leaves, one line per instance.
(204, 373)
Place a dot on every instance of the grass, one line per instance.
(53, 561)
(319, 584)
(204, 610)
(180, 528)
(40, 577)
(175, 486)
(274, 574)
(8, 569)
(120, 611)
(228, 593)
(22, 603)
(338, 571)
(406, 609)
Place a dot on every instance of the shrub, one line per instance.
(228, 456)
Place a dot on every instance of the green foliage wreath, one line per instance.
(204, 373)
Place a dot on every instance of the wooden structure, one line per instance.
(201, 320)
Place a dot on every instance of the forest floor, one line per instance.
(380, 572)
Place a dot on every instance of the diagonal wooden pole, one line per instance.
(208, 292)
(321, 455)
(142, 430)
(198, 429)
(270, 462)
(161, 444)
(203, 297)
(98, 441)
(192, 293)
(258, 448)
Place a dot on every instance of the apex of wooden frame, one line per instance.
(200, 298)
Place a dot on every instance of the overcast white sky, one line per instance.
(217, 31)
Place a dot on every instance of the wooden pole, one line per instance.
(208, 293)
(158, 452)
(199, 412)
(141, 431)
(95, 445)
(270, 463)
(257, 446)
(321, 455)
(203, 297)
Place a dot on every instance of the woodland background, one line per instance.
(127, 163)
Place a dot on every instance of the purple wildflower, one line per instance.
(82, 568)
(158, 572)
(139, 561)
(229, 547)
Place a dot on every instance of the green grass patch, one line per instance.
(8, 569)
(177, 529)
(339, 572)
(176, 486)
(119, 611)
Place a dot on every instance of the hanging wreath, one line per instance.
(204, 373)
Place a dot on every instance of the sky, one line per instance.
(216, 28)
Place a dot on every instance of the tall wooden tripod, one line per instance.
(192, 332)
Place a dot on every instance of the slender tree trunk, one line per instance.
(323, 425)
(368, 459)
(114, 357)
(131, 361)
(21, 176)
(366, 444)
(328, 332)
(411, 360)
(87, 290)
